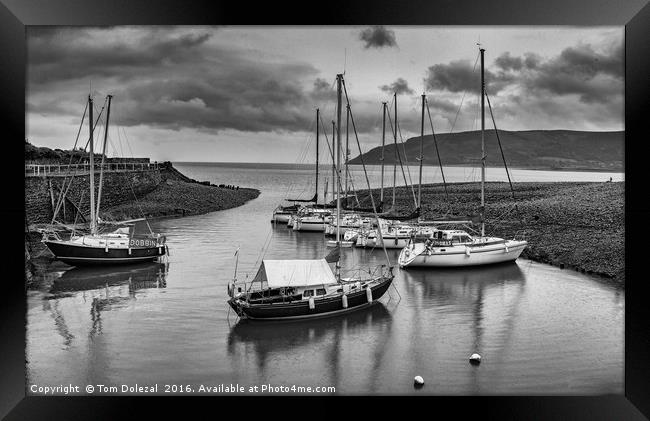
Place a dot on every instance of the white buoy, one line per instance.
(369, 294)
(345, 301)
(312, 304)
(418, 381)
(475, 358)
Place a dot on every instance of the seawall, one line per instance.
(156, 192)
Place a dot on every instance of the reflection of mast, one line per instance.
(59, 322)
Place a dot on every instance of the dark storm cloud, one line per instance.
(580, 70)
(82, 54)
(506, 62)
(323, 90)
(461, 76)
(400, 86)
(378, 37)
(172, 79)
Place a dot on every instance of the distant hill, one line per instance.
(538, 149)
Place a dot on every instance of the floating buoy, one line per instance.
(418, 381)
(475, 358)
(312, 304)
(345, 301)
(369, 294)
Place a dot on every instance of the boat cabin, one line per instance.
(450, 237)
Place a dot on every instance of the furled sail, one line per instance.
(313, 199)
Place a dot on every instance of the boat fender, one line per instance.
(467, 251)
(159, 250)
(506, 248)
(312, 304)
(345, 301)
(395, 240)
(369, 295)
(129, 251)
(167, 249)
(106, 248)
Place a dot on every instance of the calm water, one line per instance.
(539, 329)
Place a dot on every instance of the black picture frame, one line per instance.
(16, 15)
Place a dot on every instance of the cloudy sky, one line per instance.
(249, 94)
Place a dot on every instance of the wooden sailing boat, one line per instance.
(120, 246)
(296, 289)
(457, 248)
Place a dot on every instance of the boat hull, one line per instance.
(79, 255)
(300, 309)
(459, 257)
(281, 218)
(309, 226)
(389, 243)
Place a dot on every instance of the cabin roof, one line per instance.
(292, 273)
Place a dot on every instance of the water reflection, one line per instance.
(103, 287)
(268, 339)
(145, 275)
(486, 299)
(460, 286)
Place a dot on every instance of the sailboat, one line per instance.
(119, 246)
(296, 289)
(457, 248)
(282, 214)
(395, 234)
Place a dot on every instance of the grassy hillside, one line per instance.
(539, 149)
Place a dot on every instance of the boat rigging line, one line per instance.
(500, 147)
(399, 157)
(365, 173)
(435, 142)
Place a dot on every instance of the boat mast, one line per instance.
(482, 145)
(383, 141)
(421, 155)
(101, 167)
(333, 160)
(93, 222)
(338, 157)
(317, 117)
(395, 161)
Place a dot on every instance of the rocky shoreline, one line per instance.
(573, 225)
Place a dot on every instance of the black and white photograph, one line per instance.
(325, 210)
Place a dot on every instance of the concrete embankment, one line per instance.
(574, 225)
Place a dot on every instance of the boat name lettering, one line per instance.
(142, 242)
